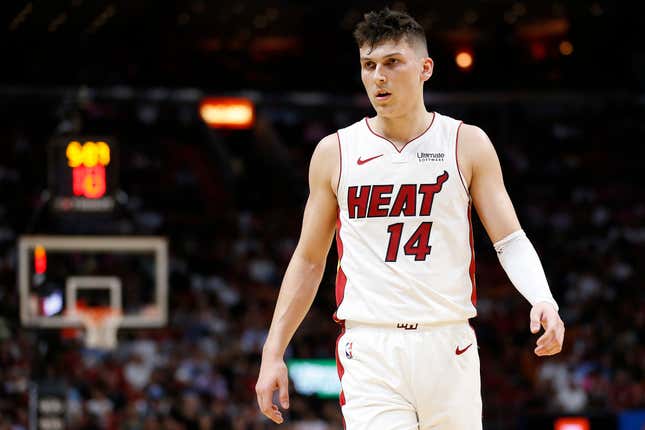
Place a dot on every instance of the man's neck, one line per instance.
(403, 129)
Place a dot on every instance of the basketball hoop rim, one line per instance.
(96, 315)
(101, 324)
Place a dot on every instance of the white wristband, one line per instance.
(523, 267)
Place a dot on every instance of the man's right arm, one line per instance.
(303, 275)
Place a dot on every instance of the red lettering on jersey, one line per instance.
(428, 191)
(405, 201)
(380, 199)
(380, 196)
(357, 201)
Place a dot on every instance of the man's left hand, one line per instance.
(544, 314)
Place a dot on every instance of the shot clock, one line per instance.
(83, 173)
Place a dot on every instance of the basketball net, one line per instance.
(101, 324)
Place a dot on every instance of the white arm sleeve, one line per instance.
(523, 267)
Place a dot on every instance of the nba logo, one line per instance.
(348, 350)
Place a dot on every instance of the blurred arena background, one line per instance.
(192, 219)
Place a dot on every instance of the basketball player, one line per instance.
(397, 190)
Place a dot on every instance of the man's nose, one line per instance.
(379, 75)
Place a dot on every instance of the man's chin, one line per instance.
(384, 110)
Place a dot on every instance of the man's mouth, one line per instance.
(383, 95)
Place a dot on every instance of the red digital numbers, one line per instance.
(89, 182)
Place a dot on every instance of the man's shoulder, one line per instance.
(327, 151)
(474, 147)
(328, 144)
(324, 167)
(335, 137)
(472, 138)
(350, 130)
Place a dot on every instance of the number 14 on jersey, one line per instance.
(418, 244)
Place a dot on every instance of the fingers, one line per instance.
(276, 415)
(536, 317)
(546, 315)
(543, 352)
(271, 411)
(284, 391)
(275, 378)
(550, 343)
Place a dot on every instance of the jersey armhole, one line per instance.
(461, 177)
(340, 163)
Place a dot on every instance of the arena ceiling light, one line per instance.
(464, 59)
(566, 48)
(572, 423)
(227, 112)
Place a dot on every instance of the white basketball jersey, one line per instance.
(404, 231)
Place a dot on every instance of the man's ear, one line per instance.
(427, 68)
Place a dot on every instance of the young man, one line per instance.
(397, 190)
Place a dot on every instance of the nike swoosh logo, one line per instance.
(461, 351)
(361, 162)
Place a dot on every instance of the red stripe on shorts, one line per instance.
(339, 365)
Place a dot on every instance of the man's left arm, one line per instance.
(483, 173)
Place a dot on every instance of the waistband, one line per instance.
(404, 326)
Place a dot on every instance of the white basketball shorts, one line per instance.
(409, 376)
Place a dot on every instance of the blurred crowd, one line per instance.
(230, 204)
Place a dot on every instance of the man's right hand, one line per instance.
(273, 376)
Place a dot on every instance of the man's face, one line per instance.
(393, 74)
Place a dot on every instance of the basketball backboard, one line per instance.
(58, 275)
